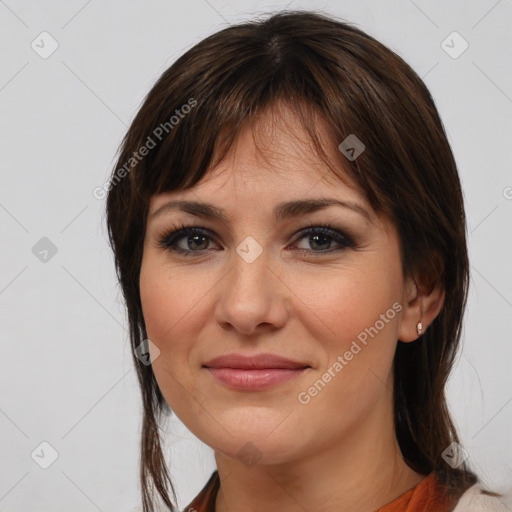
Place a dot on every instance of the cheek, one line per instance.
(349, 303)
(175, 308)
(171, 308)
(166, 305)
(168, 301)
(355, 318)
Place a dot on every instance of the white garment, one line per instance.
(473, 501)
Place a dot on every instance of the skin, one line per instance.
(338, 451)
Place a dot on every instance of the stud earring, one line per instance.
(419, 325)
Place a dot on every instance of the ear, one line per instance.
(421, 303)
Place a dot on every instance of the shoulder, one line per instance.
(476, 499)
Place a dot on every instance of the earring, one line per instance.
(419, 325)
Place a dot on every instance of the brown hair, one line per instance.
(315, 65)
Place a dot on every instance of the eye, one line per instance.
(193, 240)
(190, 241)
(322, 236)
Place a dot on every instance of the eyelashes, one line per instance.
(319, 234)
(169, 239)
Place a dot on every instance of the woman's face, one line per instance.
(254, 283)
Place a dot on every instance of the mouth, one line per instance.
(257, 372)
(254, 379)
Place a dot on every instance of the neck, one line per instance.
(362, 472)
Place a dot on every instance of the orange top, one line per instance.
(427, 496)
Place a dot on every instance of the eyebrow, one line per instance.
(281, 211)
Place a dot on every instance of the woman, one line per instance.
(289, 233)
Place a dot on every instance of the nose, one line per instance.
(251, 297)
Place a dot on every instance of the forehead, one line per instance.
(273, 155)
(275, 139)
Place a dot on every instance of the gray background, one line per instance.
(66, 376)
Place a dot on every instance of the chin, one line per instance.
(253, 450)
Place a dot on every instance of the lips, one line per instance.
(256, 362)
(254, 373)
